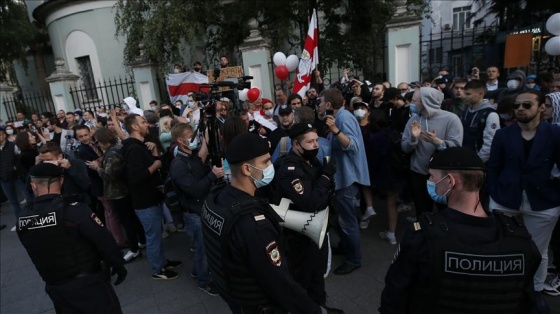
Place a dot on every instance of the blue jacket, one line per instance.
(510, 171)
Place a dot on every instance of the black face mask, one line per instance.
(309, 154)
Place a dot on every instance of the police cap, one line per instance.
(299, 128)
(456, 158)
(45, 170)
(245, 147)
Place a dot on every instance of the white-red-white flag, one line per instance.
(180, 84)
(309, 58)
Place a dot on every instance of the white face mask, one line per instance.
(403, 94)
(176, 71)
(360, 114)
(531, 85)
(269, 112)
(512, 84)
(10, 132)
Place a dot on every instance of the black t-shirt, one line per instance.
(527, 144)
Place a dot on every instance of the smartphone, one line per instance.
(329, 112)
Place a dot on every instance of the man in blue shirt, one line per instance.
(351, 164)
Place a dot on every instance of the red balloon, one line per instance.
(253, 94)
(281, 72)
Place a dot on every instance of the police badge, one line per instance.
(274, 254)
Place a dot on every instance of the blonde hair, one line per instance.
(165, 125)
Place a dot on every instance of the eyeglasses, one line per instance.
(526, 105)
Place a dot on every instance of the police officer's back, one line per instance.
(243, 239)
(67, 243)
(463, 259)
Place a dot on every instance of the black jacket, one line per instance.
(192, 180)
(144, 187)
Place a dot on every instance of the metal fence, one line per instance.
(458, 49)
(103, 94)
(28, 103)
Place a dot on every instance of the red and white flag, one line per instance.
(180, 84)
(309, 58)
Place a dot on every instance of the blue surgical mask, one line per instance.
(194, 144)
(413, 108)
(191, 104)
(268, 175)
(438, 198)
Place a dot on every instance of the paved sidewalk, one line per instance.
(22, 290)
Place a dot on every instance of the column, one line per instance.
(145, 83)
(403, 45)
(255, 51)
(60, 82)
(5, 90)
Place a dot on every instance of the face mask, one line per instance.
(360, 114)
(309, 154)
(191, 104)
(512, 84)
(403, 94)
(10, 132)
(268, 175)
(176, 71)
(413, 108)
(531, 85)
(153, 109)
(505, 116)
(194, 144)
(269, 112)
(431, 186)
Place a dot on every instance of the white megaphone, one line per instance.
(313, 225)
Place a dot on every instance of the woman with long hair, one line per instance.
(26, 142)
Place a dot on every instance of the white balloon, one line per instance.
(279, 58)
(552, 46)
(553, 24)
(243, 94)
(292, 62)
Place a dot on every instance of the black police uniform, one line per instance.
(452, 262)
(67, 243)
(309, 190)
(246, 255)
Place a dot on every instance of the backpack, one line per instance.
(170, 196)
(166, 159)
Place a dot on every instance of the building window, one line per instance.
(457, 65)
(461, 18)
(86, 74)
(436, 55)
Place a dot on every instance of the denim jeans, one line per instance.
(151, 219)
(200, 265)
(348, 223)
(10, 188)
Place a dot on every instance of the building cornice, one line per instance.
(52, 10)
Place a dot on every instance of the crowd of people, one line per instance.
(339, 148)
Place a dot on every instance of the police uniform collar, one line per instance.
(46, 198)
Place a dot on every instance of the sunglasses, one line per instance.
(526, 105)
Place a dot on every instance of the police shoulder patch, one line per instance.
(273, 254)
(96, 220)
(297, 186)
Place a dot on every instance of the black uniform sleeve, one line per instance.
(256, 239)
(91, 228)
(295, 185)
(412, 257)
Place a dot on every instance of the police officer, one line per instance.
(243, 238)
(307, 184)
(67, 244)
(463, 259)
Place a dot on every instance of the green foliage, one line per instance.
(17, 34)
(351, 32)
